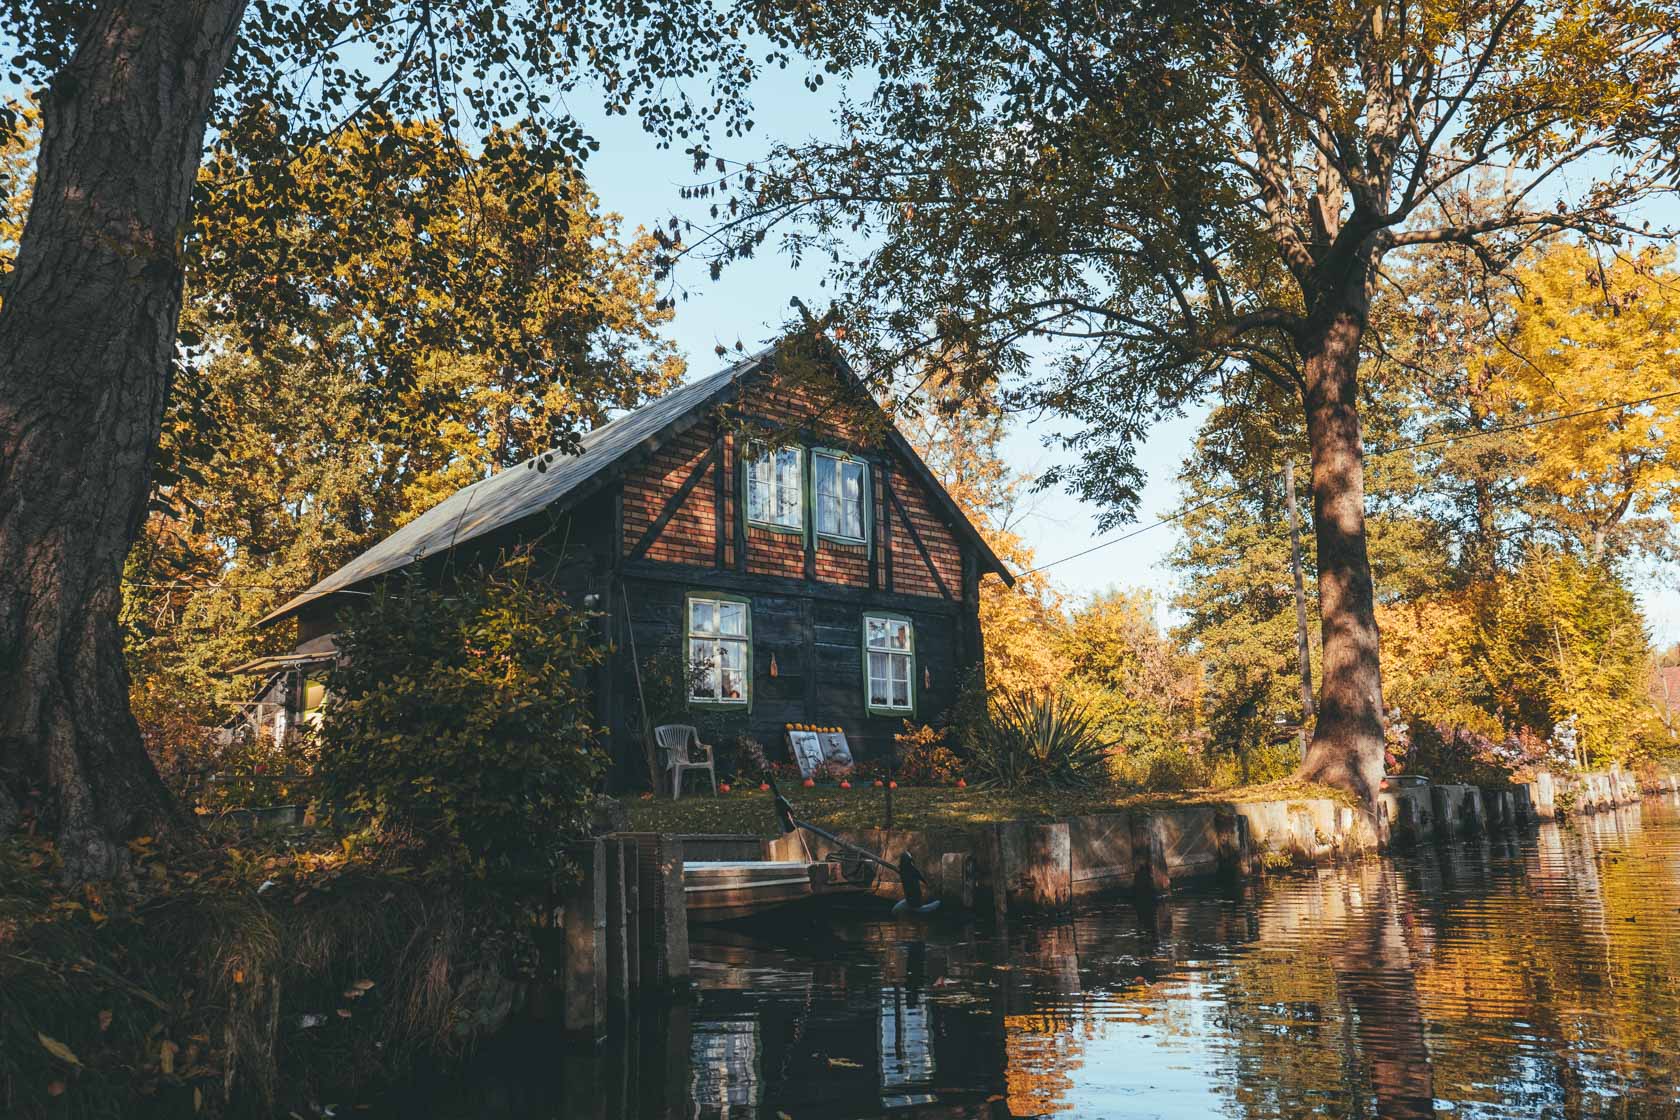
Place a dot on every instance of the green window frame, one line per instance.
(864, 498)
(775, 487)
(724, 679)
(889, 658)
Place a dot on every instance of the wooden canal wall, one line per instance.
(626, 928)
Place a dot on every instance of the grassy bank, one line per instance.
(238, 980)
(749, 811)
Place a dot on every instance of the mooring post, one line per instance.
(634, 919)
(1235, 854)
(583, 978)
(997, 874)
(1149, 854)
(619, 865)
(663, 909)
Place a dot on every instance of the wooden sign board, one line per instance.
(807, 751)
(836, 751)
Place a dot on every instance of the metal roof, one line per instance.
(519, 492)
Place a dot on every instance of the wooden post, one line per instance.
(584, 978)
(1037, 864)
(663, 925)
(1234, 848)
(1149, 856)
(998, 873)
(634, 919)
(620, 864)
(1303, 651)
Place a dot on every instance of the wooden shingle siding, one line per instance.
(892, 560)
(689, 537)
(911, 572)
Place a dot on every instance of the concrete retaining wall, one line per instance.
(1100, 854)
(1409, 810)
(1599, 791)
(624, 931)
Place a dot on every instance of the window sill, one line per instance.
(785, 530)
(720, 705)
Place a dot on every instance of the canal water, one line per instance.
(1533, 975)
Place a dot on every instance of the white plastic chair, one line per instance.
(679, 744)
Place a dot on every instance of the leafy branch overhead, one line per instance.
(1155, 193)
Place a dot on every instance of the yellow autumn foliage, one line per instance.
(1591, 329)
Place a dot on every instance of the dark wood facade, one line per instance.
(667, 523)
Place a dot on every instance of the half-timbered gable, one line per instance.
(768, 544)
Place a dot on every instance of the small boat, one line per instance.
(724, 890)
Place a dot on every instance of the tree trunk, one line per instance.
(87, 335)
(1485, 546)
(1347, 745)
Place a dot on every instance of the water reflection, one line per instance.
(1525, 976)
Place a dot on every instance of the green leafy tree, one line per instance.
(1147, 690)
(460, 721)
(1561, 637)
(1586, 332)
(1169, 193)
(1428, 344)
(130, 90)
(391, 371)
(1237, 597)
(1233, 555)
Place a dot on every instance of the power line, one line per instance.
(1418, 446)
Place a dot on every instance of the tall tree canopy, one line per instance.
(1587, 332)
(1171, 193)
(329, 402)
(128, 92)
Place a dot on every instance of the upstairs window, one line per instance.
(719, 650)
(889, 656)
(776, 487)
(841, 484)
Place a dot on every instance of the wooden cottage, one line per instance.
(769, 535)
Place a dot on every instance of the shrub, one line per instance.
(1040, 741)
(1163, 768)
(1459, 755)
(459, 722)
(213, 769)
(923, 757)
(1269, 761)
(751, 763)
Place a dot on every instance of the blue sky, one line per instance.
(637, 180)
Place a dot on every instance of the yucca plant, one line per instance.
(1044, 741)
